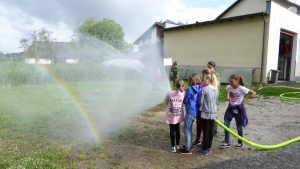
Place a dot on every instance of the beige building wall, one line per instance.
(247, 7)
(297, 72)
(231, 44)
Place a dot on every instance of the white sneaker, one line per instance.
(177, 148)
(173, 150)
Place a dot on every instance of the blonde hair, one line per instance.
(212, 78)
(207, 71)
(194, 79)
(179, 85)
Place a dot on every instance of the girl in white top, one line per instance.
(236, 109)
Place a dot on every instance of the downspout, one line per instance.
(263, 64)
(263, 52)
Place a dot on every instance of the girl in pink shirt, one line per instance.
(174, 113)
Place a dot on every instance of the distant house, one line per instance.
(254, 35)
(154, 36)
(51, 52)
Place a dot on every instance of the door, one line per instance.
(285, 55)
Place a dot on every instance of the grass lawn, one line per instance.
(275, 90)
(42, 127)
(37, 126)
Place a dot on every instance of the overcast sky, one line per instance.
(18, 17)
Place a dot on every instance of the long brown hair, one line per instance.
(238, 78)
(194, 79)
(180, 85)
(212, 63)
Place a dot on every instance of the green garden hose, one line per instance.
(259, 146)
(266, 147)
(284, 95)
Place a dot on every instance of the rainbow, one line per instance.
(75, 101)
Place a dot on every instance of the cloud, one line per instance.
(18, 17)
(177, 10)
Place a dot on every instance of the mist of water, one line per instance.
(109, 90)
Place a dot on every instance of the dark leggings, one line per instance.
(174, 134)
(198, 127)
(208, 133)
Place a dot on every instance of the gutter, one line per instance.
(263, 53)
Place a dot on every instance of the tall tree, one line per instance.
(106, 30)
(38, 44)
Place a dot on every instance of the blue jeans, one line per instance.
(188, 132)
(239, 127)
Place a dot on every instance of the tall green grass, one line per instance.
(18, 73)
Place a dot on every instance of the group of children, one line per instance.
(200, 100)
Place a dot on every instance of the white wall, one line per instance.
(152, 39)
(281, 18)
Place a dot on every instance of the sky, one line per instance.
(19, 17)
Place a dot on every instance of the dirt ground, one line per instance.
(145, 143)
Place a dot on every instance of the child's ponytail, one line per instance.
(241, 81)
(215, 81)
(238, 78)
(180, 85)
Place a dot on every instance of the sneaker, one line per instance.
(177, 148)
(185, 151)
(239, 145)
(224, 145)
(173, 150)
(197, 143)
(205, 152)
(184, 147)
(200, 145)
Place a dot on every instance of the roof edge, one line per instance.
(228, 9)
(218, 21)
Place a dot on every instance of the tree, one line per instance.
(38, 44)
(106, 30)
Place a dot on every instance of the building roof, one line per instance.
(282, 2)
(160, 24)
(197, 24)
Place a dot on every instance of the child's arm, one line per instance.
(200, 98)
(250, 95)
(166, 101)
(228, 95)
(187, 95)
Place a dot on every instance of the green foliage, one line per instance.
(18, 73)
(106, 30)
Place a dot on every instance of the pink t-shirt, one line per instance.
(174, 110)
